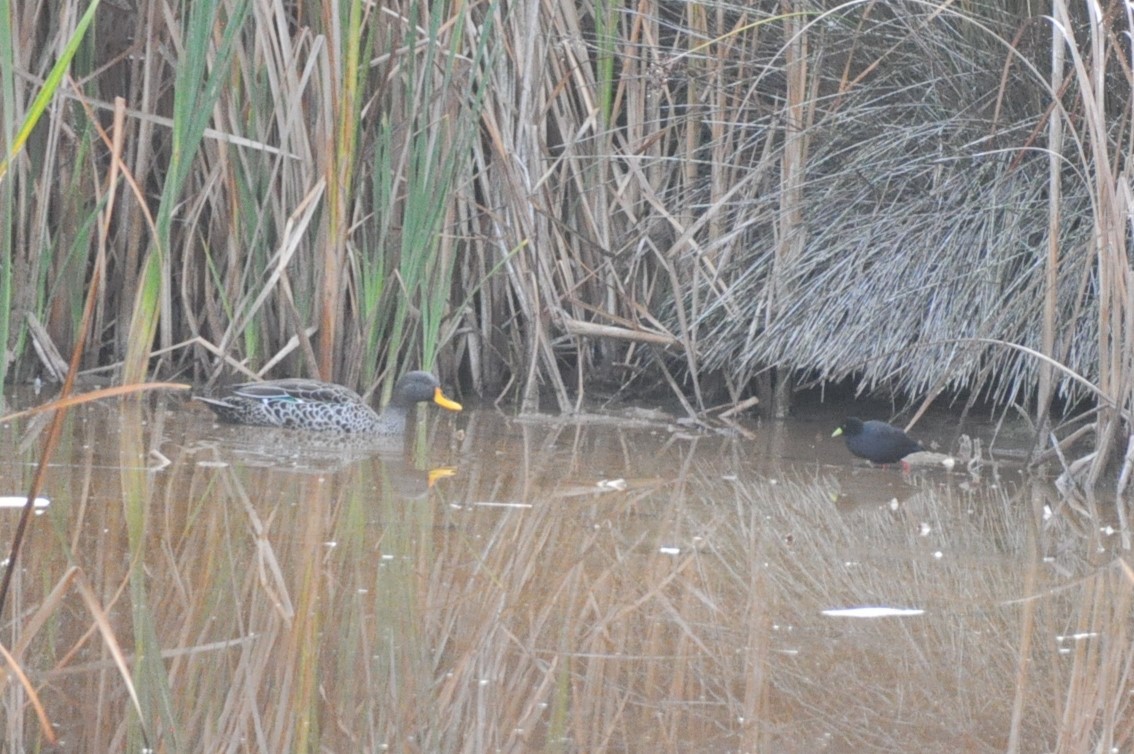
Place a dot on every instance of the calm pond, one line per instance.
(606, 584)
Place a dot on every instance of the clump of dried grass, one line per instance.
(921, 229)
(913, 224)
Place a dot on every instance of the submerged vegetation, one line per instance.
(925, 197)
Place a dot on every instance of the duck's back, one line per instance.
(296, 404)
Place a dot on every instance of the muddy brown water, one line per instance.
(610, 583)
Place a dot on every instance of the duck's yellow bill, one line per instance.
(442, 472)
(837, 432)
(440, 399)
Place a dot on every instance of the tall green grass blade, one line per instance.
(373, 259)
(340, 189)
(50, 85)
(606, 39)
(7, 191)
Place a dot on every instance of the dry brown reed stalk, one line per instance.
(1045, 384)
(799, 116)
(1102, 155)
(15, 670)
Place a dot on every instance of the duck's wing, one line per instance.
(296, 391)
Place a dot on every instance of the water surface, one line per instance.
(599, 584)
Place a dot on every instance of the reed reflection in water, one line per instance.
(589, 586)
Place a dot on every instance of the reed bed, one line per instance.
(924, 198)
